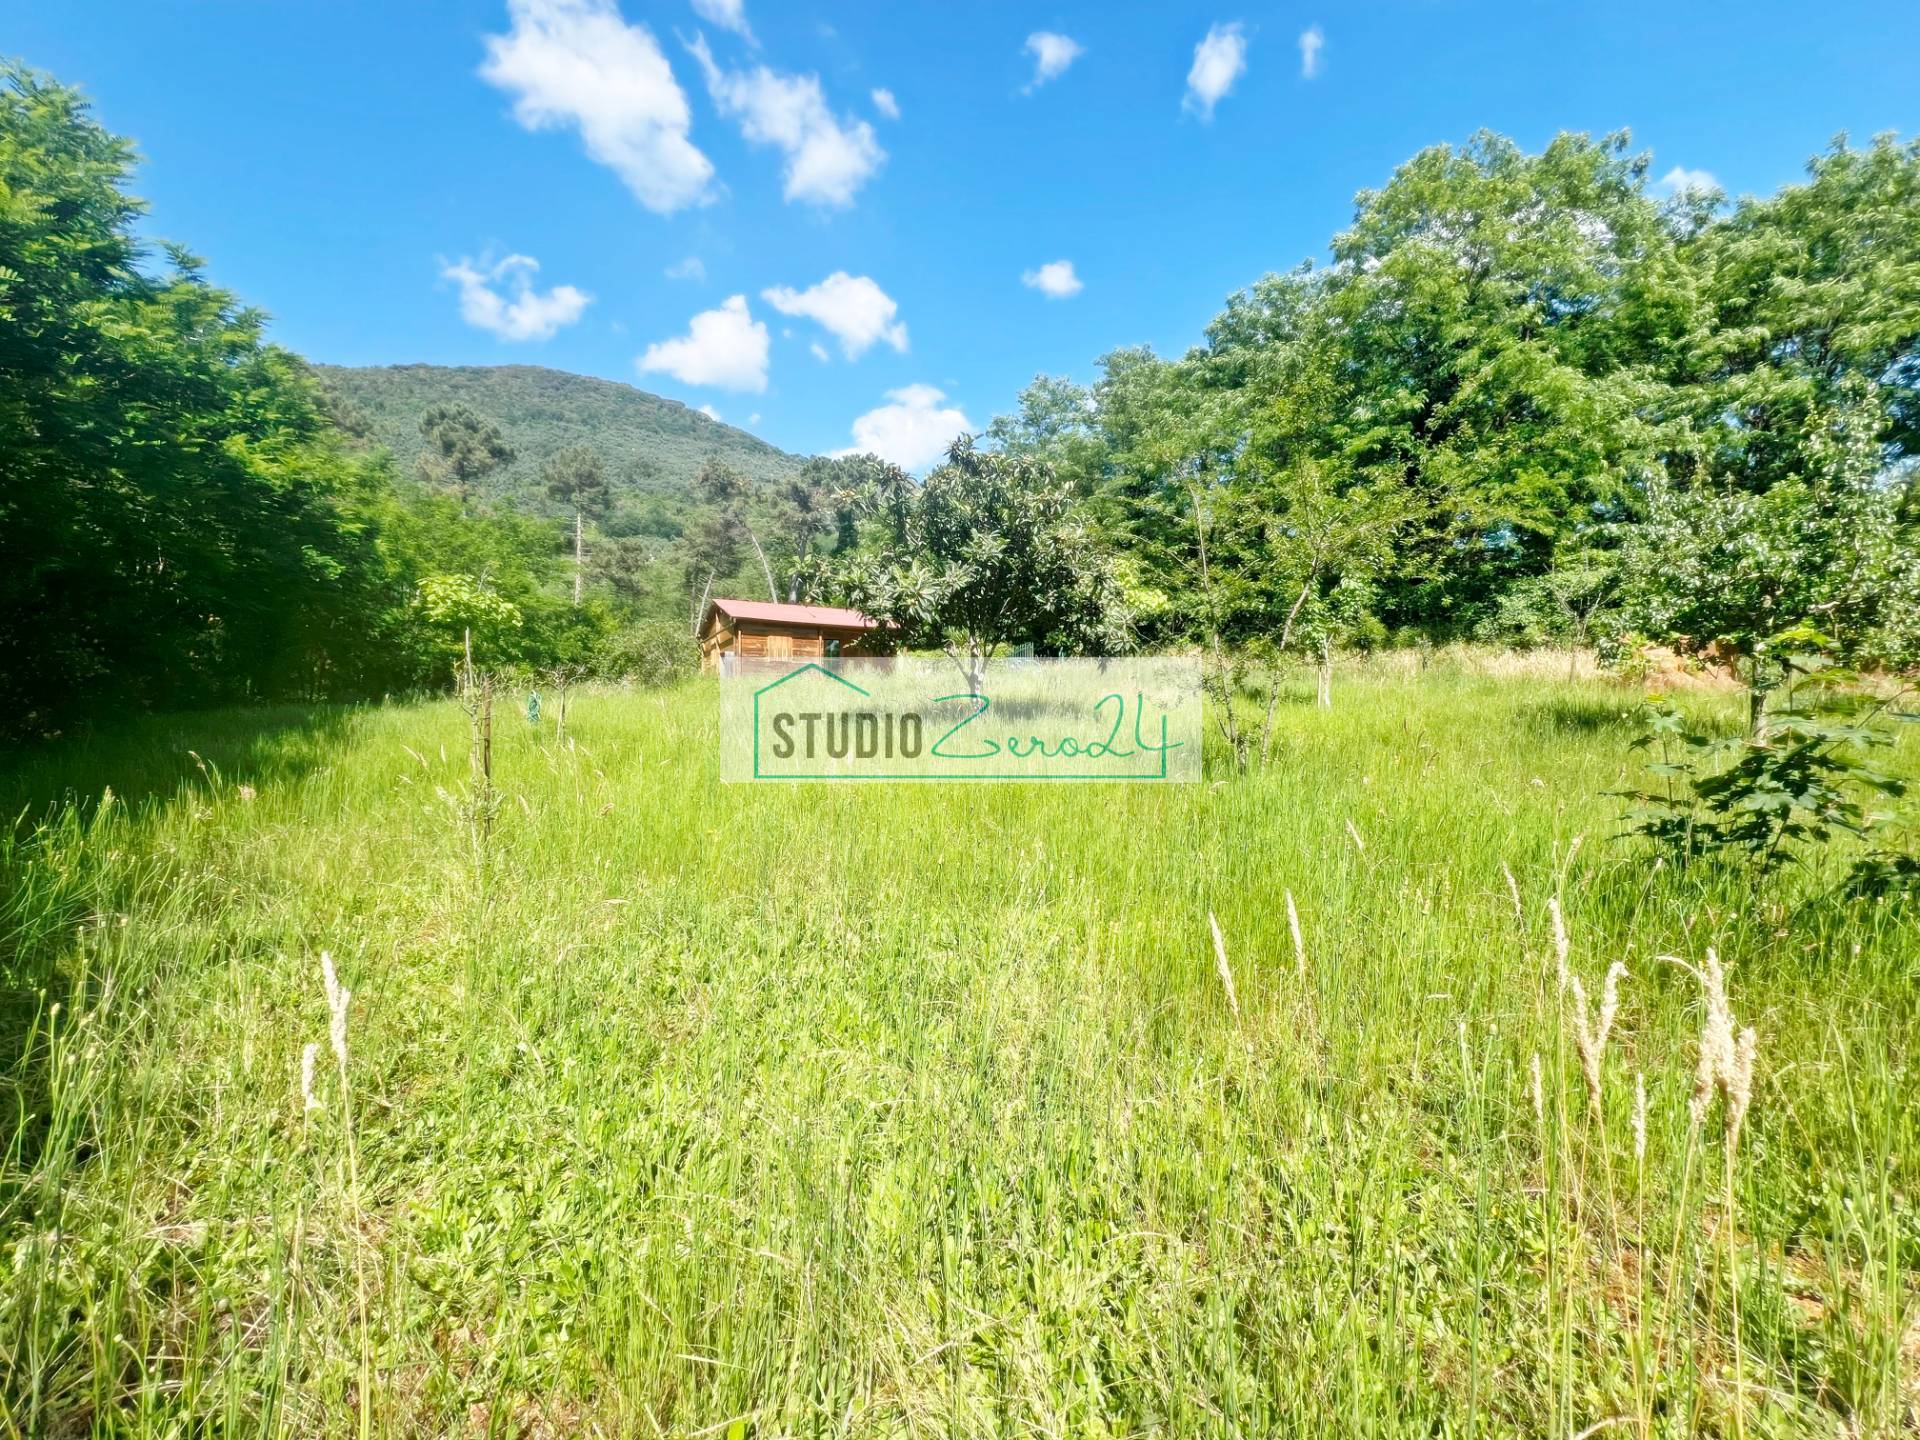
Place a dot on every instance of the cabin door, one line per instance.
(779, 647)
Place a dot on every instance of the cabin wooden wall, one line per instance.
(763, 640)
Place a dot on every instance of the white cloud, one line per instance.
(711, 413)
(1052, 54)
(819, 352)
(754, 419)
(727, 14)
(913, 432)
(501, 298)
(691, 268)
(1218, 61)
(1312, 42)
(725, 348)
(1682, 181)
(854, 309)
(827, 159)
(1055, 280)
(577, 63)
(884, 102)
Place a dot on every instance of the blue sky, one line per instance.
(999, 189)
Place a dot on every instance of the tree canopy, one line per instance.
(1527, 379)
(1525, 397)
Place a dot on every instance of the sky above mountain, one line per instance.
(868, 225)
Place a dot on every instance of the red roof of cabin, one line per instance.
(767, 612)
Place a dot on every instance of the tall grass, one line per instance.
(681, 1109)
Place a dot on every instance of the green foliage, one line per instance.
(464, 613)
(461, 448)
(1507, 323)
(989, 551)
(654, 653)
(1561, 607)
(1728, 565)
(1770, 797)
(577, 478)
(1526, 356)
(1524, 394)
(174, 522)
(1810, 292)
(991, 1094)
(181, 522)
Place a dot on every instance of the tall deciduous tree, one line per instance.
(1829, 547)
(991, 550)
(1809, 294)
(173, 510)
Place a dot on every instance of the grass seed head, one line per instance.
(1740, 1085)
(1726, 1059)
(309, 1101)
(338, 998)
(1220, 963)
(1590, 1031)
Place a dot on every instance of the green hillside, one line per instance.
(650, 444)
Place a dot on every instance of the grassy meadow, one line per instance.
(667, 1108)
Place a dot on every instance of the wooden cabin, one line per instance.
(733, 631)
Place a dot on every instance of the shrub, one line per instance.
(652, 653)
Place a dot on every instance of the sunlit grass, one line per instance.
(861, 1110)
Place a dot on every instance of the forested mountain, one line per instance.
(647, 443)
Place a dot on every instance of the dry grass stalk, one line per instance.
(1726, 1058)
(1590, 1035)
(1589, 1032)
(1513, 889)
(1299, 945)
(1639, 1119)
(1536, 1089)
(338, 998)
(309, 1102)
(1220, 962)
(1353, 834)
(1560, 947)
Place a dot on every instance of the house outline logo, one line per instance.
(793, 674)
(763, 767)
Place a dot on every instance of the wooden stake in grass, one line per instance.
(1226, 970)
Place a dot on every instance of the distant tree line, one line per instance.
(185, 517)
(1527, 401)
(1530, 401)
